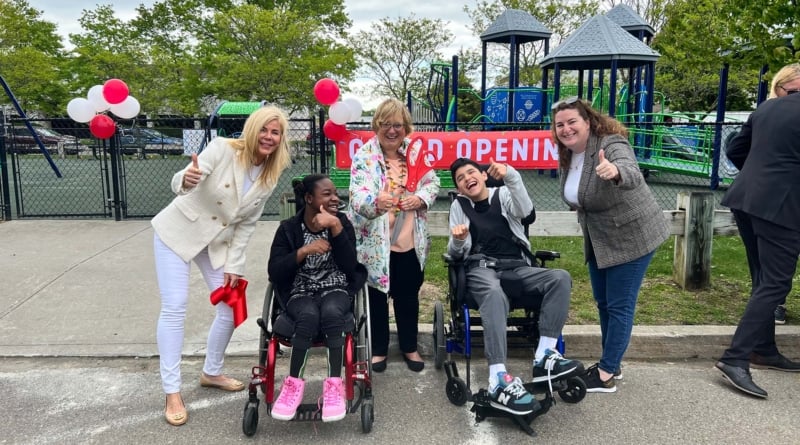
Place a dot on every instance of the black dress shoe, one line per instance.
(741, 379)
(777, 362)
(413, 364)
(380, 366)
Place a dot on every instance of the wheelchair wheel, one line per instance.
(438, 335)
(575, 391)
(457, 391)
(367, 416)
(250, 418)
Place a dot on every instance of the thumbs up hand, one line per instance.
(496, 170)
(193, 174)
(605, 169)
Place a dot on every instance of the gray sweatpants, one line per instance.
(550, 286)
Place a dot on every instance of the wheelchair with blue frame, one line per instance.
(460, 332)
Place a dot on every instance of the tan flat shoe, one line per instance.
(178, 418)
(227, 384)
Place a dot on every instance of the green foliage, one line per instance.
(31, 58)
(661, 301)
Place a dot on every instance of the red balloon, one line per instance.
(102, 126)
(334, 131)
(115, 91)
(326, 91)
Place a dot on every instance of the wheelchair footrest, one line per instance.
(482, 408)
(308, 411)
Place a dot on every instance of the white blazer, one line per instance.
(213, 214)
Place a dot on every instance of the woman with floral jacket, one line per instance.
(391, 226)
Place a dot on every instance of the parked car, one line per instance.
(142, 141)
(21, 140)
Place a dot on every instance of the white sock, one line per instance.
(493, 371)
(545, 343)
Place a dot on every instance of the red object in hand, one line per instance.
(421, 164)
(235, 298)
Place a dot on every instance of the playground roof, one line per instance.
(238, 108)
(518, 24)
(595, 44)
(629, 20)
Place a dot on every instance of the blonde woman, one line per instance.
(220, 197)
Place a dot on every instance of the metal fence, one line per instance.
(129, 175)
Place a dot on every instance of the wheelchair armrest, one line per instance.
(450, 261)
(546, 255)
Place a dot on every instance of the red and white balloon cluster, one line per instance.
(111, 96)
(340, 112)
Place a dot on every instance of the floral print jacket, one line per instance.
(367, 179)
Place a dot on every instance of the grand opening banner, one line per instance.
(523, 150)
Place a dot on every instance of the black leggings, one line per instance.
(405, 280)
(313, 314)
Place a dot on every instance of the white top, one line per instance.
(574, 178)
(252, 176)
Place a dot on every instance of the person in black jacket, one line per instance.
(765, 201)
(313, 268)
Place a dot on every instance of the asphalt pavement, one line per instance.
(79, 363)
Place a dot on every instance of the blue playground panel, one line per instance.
(527, 105)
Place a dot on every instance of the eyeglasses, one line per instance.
(789, 91)
(567, 101)
(388, 125)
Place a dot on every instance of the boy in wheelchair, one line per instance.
(487, 233)
(313, 267)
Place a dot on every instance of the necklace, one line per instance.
(254, 170)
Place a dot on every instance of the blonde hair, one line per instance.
(389, 108)
(782, 77)
(599, 125)
(247, 145)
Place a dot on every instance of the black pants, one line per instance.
(772, 255)
(313, 314)
(405, 280)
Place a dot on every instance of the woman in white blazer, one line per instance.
(220, 197)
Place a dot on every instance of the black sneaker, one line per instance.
(553, 366)
(593, 382)
(509, 395)
(618, 373)
(780, 314)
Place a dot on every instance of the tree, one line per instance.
(699, 37)
(275, 55)
(395, 53)
(31, 59)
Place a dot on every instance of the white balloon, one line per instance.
(95, 97)
(127, 109)
(80, 110)
(355, 108)
(339, 113)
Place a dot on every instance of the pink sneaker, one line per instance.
(334, 405)
(289, 399)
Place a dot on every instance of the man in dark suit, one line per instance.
(765, 201)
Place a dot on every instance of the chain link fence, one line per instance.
(74, 175)
(132, 180)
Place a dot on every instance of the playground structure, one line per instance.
(664, 141)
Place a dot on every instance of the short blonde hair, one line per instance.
(389, 108)
(247, 144)
(782, 77)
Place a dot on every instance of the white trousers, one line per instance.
(173, 283)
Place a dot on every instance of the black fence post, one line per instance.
(323, 144)
(115, 179)
(4, 182)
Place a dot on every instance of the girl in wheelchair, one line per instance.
(313, 267)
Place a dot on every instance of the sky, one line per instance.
(65, 15)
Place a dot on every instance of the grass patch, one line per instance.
(661, 301)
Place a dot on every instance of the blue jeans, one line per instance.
(616, 290)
